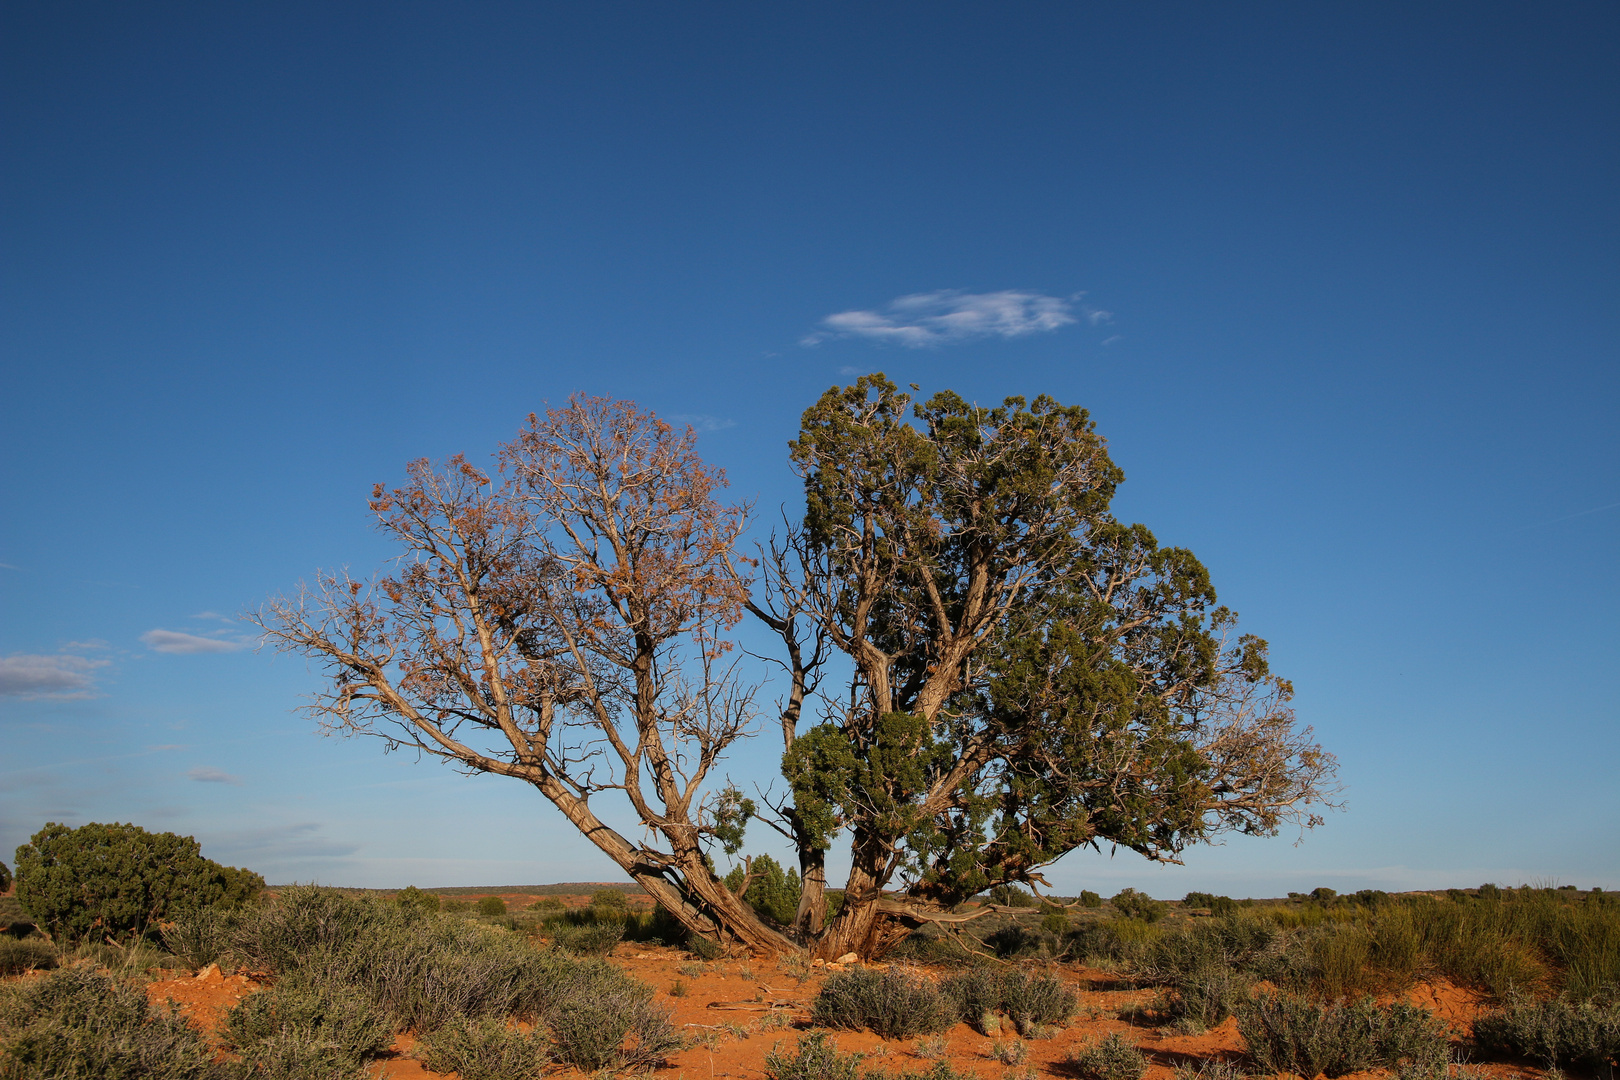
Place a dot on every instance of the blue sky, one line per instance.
(1337, 281)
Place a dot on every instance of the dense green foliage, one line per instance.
(5, 877)
(772, 891)
(117, 882)
(1136, 905)
(1031, 675)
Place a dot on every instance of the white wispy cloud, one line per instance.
(172, 641)
(207, 774)
(61, 676)
(949, 315)
(214, 616)
(700, 421)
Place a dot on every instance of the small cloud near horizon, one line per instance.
(922, 320)
(62, 677)
(178, 644)
(206, 774)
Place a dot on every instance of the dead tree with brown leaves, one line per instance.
(564, 622)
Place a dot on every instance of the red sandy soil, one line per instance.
(735, 1011)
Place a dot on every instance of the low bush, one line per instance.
(487, 1049)
(1012, 896)
(1559, 1032)
(548, 904)
(602, 1017)
(77, 1023)
(1136, 905)
(1029, 1002)
(938, 950)
(412, 897)
(296, 1055)
(341, 1021)
(201, 937)
(592, 939)
(491, 905)
(1289, 1034)
(5, 877)
(891, 1003)
(1111, 1059)
(608, 898)
(119, 881)
(29, 954)
(815, 1057)
(1089, 899)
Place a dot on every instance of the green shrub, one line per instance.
(608, 898)
(1055, 922)
(296, 1055)
(592, 939)
(29, 954)
(703, 948)
(1135, 905)
(601, 1017)
(491, 905)
(419, 967)
(412, 897)
(548, 903)
(814, 1058)
(1289, 1034)
(487, 1049)
(1111, 1059)
(5, 877)
(1012, 896)
(201, 937)
(976, 997)
(315, 1012)
(893, 1004)
(77, 1023)
(1559, 1032)
(1218, 906)
(773, 893)
(119, 881)
(937, 950)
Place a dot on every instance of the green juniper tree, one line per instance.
(1029, 674)
(117, 882)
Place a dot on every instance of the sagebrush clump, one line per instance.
(1289, 1034)
(78, 1023)
(891, 1003)
(1110, 1059)
(1559, 1032)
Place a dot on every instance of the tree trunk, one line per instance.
(698, 900)
(811, 917)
